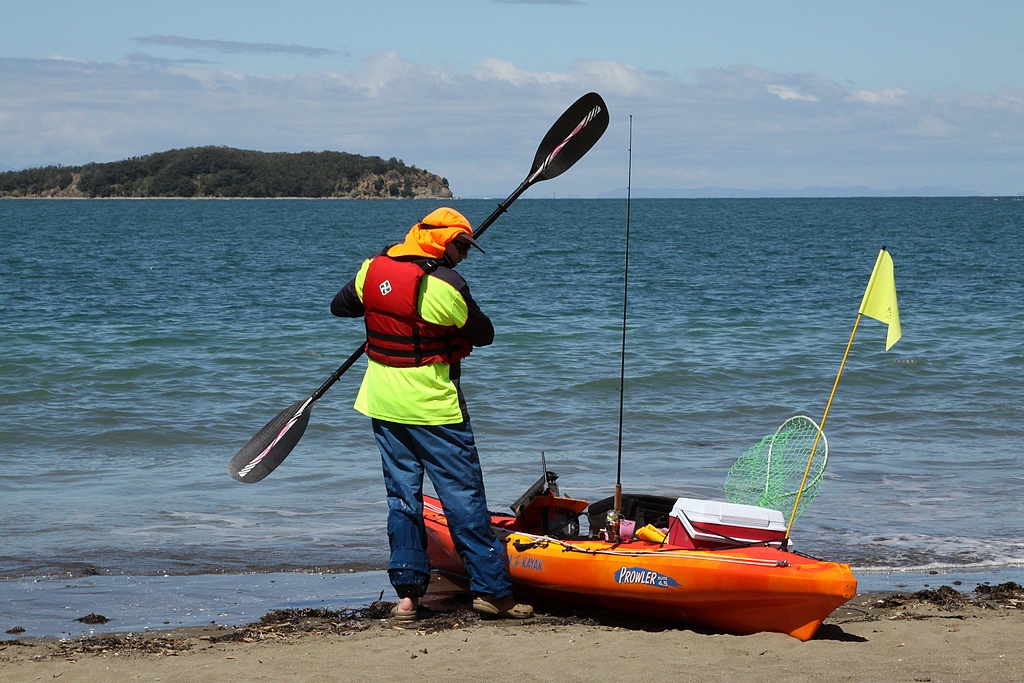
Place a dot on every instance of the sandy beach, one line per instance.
(931, 636)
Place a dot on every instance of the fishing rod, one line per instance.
(615, 514)
(569, 138)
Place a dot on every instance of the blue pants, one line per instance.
(448, 455)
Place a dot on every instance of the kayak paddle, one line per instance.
(571, 136)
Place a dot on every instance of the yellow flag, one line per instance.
(880, 298)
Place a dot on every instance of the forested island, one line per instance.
(211, 172)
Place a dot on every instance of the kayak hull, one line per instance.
(737, 590)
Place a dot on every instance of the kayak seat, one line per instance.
(640, 508)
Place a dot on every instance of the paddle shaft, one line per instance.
(502, 208)
(541, 171)
(571, 136)
(350, 361)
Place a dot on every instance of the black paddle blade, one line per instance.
(272, 444)
(572, 136)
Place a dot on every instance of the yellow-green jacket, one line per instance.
(428, 394)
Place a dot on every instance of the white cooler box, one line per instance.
(707, 524)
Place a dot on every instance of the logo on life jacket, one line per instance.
(645, 577)
(385, 288)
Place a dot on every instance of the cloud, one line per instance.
(143, 58)
(884, 96)
(501, 70)
(739, 126)
(784, 92)
(231, 47)
(932, 126)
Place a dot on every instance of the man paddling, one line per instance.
(420, 322)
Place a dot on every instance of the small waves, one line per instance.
(130, 374)
(1003, 563)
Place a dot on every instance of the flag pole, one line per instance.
(891, 317)
(821, 428)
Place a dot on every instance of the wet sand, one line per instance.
(931, 636)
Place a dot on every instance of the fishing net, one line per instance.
(769, 474)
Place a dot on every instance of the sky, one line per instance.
(893, 96)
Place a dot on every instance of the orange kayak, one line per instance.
(739, 589)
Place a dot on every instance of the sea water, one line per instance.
(142, 343)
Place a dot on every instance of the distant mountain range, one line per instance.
(814, 191)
